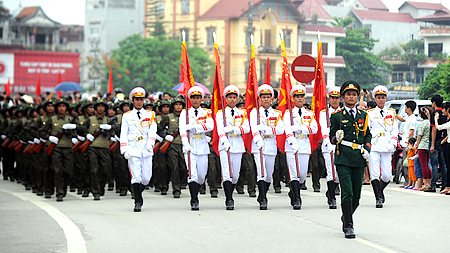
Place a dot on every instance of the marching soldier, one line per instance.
(264, 137)
(297, 142)
(195, 146)
(62, 157)
(137, 138)
(122, 174)
(350, 133)
(327, 148)
(230, 139)
(159, 159)
(176, 166)
(384, 129)
(82, 161)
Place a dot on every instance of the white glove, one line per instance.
(42, 140)
(259, 144)
(132, 137)
(190, 127)
(339, 135)
(81, 138)
(159, 138)
(187, 148)
(3, 136)
(150, 145)
(127, 155)
(208, 139)
(30, 142)
(22, 142)
(295, 147)
(113, 139)
(365, 153)
(117, 138)
(226, 145)
(169, 138)
(105, 126)
(36, 140)
(69, 126)
(53, 139)
(74, 141)
(228, 129)
(263, 129)
(90, 137)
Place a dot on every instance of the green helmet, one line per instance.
(178, 99)
(85, 104)
(274, 103)
(125, 102)
(163, 102)
(240, 101)
(148, 103)
(62, 101)
(101, 101)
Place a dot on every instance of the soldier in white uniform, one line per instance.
(264, 137)
(137, 138)
(328, 148)
(230, 138)
(297, 142)
(384, 129)
(200, 122)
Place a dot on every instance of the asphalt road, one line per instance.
(409, 222)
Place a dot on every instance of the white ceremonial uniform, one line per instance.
(308, 126)
(384, 129)
(237, 119)
(203, 123)
(328, 148)
(275, 126)
(135, 135)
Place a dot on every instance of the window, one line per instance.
(397, 77)
(324, 48)
(94, 28)
(287, 39)
(184, 6)
(160, 8)
(434, 48)
(306, 47)
(187, 34)
(209, 36)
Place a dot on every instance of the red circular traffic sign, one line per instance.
(303, 68)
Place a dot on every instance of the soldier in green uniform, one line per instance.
(9, 155)
(350, 134)
(62, 157)
(76, 175)
(120, 165)
(159, 159)
(111, 112)
(4, 119)
(86, 110)
(98, 152)
(176, 166)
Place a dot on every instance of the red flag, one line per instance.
(8, 88)
(38, 88)
(319, 97)
(217, 98)
(285, 91)
(267, 79)
(250, 95)
(110, 83)
(186, 73)
(59, 81)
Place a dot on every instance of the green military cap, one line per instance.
(5, 106)
(77, 105)
(350, 85)
(125, 102)
(178, 100)
(274, 103)
(240, 101)
(85, 104)
(39, 106)
(50, 101)
(62, 101)
(17, 110)
(148, 103)
(31, 108)
(100, 101)
(163, 102)
(207, 104)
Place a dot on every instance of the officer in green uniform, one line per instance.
(98, 152)
(120, 165)
(76, 175)
(350, 134)
(176, 166)
(62, 157)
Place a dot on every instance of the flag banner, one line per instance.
(186, 72)
(284, 97)
(217, 98)
(110, 82)
(250, 95)
(38, 88)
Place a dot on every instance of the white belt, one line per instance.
(351, 144)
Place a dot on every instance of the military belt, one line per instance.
(301, 136)
(351, 144)
(268, 136)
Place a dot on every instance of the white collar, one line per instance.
(348, 108)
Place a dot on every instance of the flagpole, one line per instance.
(183, 34)
(223, 112)
(288, 92)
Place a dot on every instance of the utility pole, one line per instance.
(250, 30)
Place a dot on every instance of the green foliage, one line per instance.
(314, 18)
(391, 51)
(342, 22)
(155, 22)
(413, 52)
(360, 63)
(436, 82)
(439, 56)
(154, 64)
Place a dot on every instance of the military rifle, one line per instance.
(166, 145)
(95, 134)
(49, 149)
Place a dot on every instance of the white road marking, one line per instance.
(75, 240)
(373, 245)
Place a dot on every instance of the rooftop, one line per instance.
(383, 16)
(374, 5)
(27, 11)
(425, 6)
(324, 29)
(309, 7)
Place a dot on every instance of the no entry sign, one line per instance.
(303, 68)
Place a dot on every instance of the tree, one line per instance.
(342, 22)
(436, 82)
(414, 52)
(155, 17)
(154, 64)
(360, 63)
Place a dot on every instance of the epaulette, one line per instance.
(324, 110)
(242, 109)
(277, 110)
(207, 109)
(371, 109)
(309, 110)
(128, 112)
(148, 110)
(338, 110)
(219, 110)
(391, 109)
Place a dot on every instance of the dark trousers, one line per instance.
(248, 172)
(62, 164)
(121, 171)
(214, 171)
(177, 165)
(350, 179)
(437, 159)
(47, 173)
(280, 169)
(160, 171)
(8, 156)
(100, 169)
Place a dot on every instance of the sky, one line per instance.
(72, 11)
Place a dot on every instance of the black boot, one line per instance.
(193, 190)
(376, 191)
(143, 187)
(228, 189)
(348, 219)
(262, 195)
(297, 203)
(137, 197)
(337, 191)
(382, 186)
(331, 195)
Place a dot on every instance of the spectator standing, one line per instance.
(445, 126)
(436, 148)
(410, 157)
(423, 138)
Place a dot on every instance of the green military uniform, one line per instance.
(120, 165)
(348, 157)
(9, 155)
(16, 129)
(214, 171)
(82, 159)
